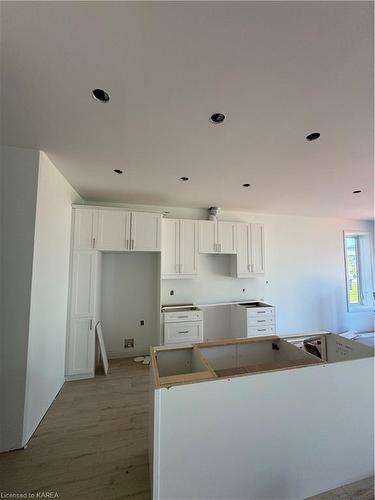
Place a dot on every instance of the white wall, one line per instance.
(130, 293)
(19, 169)
(35, 230)
(282, 435)
(305, 274)
(49, 293)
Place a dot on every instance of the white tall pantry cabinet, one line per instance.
(96, 230)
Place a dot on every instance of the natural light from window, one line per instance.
(358, 265)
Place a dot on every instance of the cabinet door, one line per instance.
(175, 333)
(81, 347)
(243, 256)
(82, 301)
(145, 232)
(207, 236)
(226, 237)
(114, 230)
(170, 247)
(85, 228)
(257, 248)
(188, 247)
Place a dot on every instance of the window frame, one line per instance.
(365, 271)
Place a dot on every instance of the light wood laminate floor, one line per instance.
(93, 444)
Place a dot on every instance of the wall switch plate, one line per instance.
(128, 343)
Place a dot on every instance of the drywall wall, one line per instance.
(19, 169)
(251, 437)
(49, 293)
(130, 293)
(305, 274)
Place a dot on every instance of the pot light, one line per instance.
(100, 95)
(117, 171)
(313, 136)
(217, 118)
(184, 179)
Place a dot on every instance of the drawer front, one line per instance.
(183, 332)
(260, 321)
(260, 330)
(176, 316)
(260, 311)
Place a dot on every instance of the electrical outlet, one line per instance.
(171, 292)
(128, 343)
(142, 322)
(244, 290)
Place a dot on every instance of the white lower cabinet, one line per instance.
(188, 331)
(81, 348)
(253, 319)
(83, 313)
(183, 325)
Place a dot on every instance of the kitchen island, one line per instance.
(260, 418)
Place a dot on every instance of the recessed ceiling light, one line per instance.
(117, 171)
(217, 118)
(100, 95)
(247, 185)
(313, 136)
(357, 191)
(184, 178)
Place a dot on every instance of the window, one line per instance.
(358, 271)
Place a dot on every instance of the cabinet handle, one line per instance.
(261, 329)
(261, 312)
(93, 243)
(177, 268)
(182, 316)
(90, 324)
(261, 320)
(181, 268)
(219, 247)
(185, 331)
(132, 244)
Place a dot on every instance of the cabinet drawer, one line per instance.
(257, 312)
(183, 332)
(181, 316)
(260, 330)
(260, 321)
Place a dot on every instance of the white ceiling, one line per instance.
(278, 70)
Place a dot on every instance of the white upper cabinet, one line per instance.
(145, 232)
(179, 251)
(170, 247)
(257, 247)
(207, 236)
(243, 255)
(121, 230)
(250, 250)
(217, 237)
(85, 228)
(226, 237)
(188, 247)
(114, 230)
